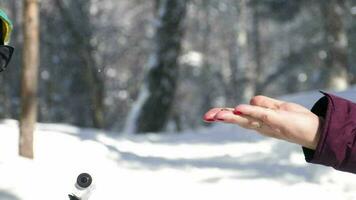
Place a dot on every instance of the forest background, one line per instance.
(156, 65)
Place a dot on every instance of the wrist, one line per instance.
(315, 140)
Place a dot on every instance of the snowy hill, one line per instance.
(221, 162)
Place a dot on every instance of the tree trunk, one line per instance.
(256, 43)
(336, 44)
(206, 71)
(160, 85)
(98, 92)
(93, 78)
(249, 70)
(28, 116)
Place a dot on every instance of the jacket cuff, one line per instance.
(320, 108)
(332, 148)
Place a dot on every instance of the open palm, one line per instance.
(273, 118)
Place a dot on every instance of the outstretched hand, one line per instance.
(274, 118)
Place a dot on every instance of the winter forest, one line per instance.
(97, 56)
(122, 85)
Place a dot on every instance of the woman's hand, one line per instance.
(273, 118)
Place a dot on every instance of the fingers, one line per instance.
(265, 115)
(261, 101)
(266, 102)
(210, 116)
(275, 104)
(227, 115)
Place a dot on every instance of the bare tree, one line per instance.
(256, 43)
(157, 95)
(82, 31)
(243, 51)
(29, 81)
(336, 43)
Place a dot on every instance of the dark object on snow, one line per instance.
(84, 180)
(337, 143)
(73, 197)
(83, 187)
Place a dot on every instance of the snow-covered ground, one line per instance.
(220, 162)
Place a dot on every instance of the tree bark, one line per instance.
(245, 56)
(206, 71)
(29, 80)
(336, 44)
(161, 80)
(256, 43)
(249, 70)
(86, 52)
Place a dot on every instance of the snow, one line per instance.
(130, 125)
(193, 59)
(219, 162)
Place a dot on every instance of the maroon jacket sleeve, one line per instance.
(337, 143)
